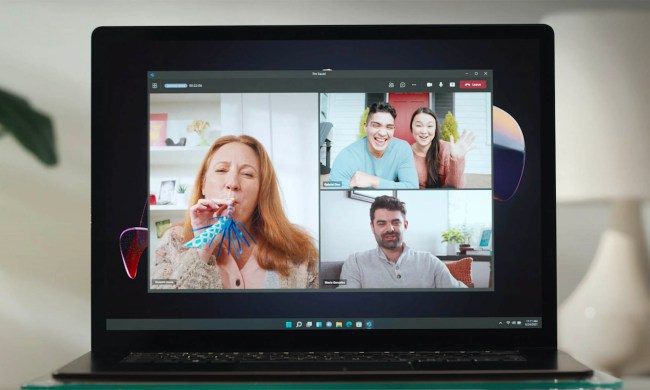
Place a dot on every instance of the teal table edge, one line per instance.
(599, 380)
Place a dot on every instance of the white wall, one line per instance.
(45, 213)
(473, 113)
(294, 133)
(428, 215)
(345, 226)
(344, 112)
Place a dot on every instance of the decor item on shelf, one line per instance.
(152, 199)
(181, 142)
(485, 242)
(199, 127)
(157, 129)
(166, 195)
(31, 128)
(181, 194)
(453, 237)
(602, 157)
(162, 226)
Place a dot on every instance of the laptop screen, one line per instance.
(321, 139)
(330, 186)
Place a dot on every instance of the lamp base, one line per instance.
(605, 322)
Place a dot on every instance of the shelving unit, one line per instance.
(178, 163)
(177, 155)
(168, 207)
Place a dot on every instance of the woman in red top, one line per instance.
(438, 163)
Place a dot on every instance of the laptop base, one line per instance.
(539, 364)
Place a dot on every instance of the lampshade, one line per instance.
(603, 104)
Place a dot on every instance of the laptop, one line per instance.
(298, 202)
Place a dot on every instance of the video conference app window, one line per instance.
(305, 135)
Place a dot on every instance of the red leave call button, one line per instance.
(472, 84)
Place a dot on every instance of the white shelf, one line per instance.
(175, 155)
(168, 207)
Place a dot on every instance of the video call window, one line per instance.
(421, 220)
(392, 150)
(316, 190)
(183, 127)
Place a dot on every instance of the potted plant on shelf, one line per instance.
(199, 127)
(181, 190)
(453, 237)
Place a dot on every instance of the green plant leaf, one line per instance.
(449, 127)
(362, 123)
(452, 235)
(31, 128)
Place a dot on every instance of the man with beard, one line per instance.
(393, 264)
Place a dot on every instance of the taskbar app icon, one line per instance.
(329, 324)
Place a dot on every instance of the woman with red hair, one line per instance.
(238, 173)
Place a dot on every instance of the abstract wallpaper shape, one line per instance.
(134, 241)
(509, 154)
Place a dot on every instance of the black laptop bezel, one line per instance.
(104, 105)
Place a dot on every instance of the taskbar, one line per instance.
(335, 324)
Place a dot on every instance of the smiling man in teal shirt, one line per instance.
(376, 161)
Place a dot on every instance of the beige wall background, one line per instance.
(45, 213)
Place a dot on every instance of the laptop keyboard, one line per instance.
(300, 357)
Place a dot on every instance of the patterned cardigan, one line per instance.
(173, 261)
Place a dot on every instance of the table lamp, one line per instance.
(603, 154)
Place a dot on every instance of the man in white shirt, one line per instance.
(393, 264)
